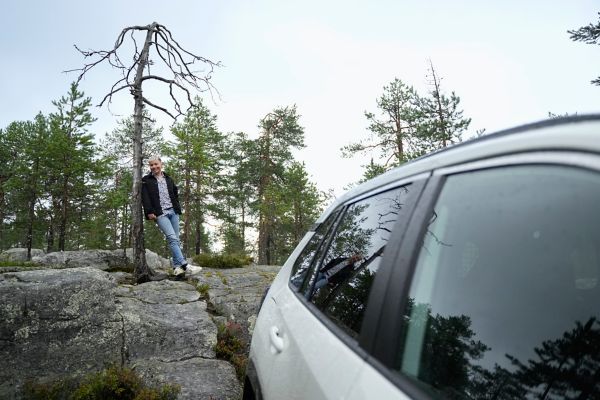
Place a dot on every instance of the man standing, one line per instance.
(161, 205)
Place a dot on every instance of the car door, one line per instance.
(315, 336)
(497, 294)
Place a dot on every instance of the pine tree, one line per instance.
(240, 192)
(197, 158)
(298, 205)
(280, 132)
(394, 134)
(589, 34)
(71, 158)
(24, 187)
(443, 122)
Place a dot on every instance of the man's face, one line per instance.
(155, 166)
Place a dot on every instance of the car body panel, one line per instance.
(311, 351)
(318, 361)
(305, 342)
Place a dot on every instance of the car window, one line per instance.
(505, 299)
(344, 278)
(304, 260)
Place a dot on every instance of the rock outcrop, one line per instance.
(236, 293)
(69, 322)
(19, 254)
(56, 323)
(72, 317)
(102, 259)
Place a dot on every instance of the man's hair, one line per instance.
(154, 158)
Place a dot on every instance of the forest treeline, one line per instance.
(63, 187)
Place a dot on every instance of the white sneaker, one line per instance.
(193, 269)
(178, 272)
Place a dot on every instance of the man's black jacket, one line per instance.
(151, 198)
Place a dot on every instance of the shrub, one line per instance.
(230, 346)
(121, 268)
(29, 264)
(112, 383)
(203, 290)
(222, 260)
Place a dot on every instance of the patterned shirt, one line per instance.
(163, 192)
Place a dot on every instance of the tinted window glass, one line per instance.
(505, 300)
(344, 279)
(306, 257)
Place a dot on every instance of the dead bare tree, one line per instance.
(160, 50)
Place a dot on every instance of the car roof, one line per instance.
(575, 133)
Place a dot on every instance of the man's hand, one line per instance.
(152, 217)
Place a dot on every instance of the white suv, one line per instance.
(473, 272)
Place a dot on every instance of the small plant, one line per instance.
(222, 261)
(27, 264)
(231, 347)
(203, 290)
(112, 383)
(121, 268)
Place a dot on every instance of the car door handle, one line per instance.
(276, 339)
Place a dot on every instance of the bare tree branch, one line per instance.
(145, 100)
(113, 91)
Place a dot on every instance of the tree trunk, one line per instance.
(188, 214)
(198, 237)
(124, 240)
(50, 236)
(52, 228)
(31, 211)
(439, 110)
(142, 272)
(2, 208)
(31, 216)
(114, 226)
(399, 144)
(297, 221)
(243, 227)
(264, 222)
(62, 226)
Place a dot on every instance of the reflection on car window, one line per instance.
(344, 278)
(306, 257)
(505, 300)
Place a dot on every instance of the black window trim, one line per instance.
(401, 264)
(362, 345)
(384, 352)
(340, 211)
(377, 295)
(324, 244)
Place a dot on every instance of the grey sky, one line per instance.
(511, 62)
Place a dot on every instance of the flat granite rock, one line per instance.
(56, 323)
(198, 378)
(236, 293)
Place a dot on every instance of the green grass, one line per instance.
(222, 261)
(203, 290)
(112, 383)
(27, 264)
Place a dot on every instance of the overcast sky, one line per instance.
(511, 62)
